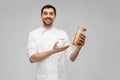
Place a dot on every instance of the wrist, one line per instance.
(52, 51)
(78, 47)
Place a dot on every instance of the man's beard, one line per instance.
(47, 24)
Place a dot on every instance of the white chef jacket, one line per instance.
(41, 39)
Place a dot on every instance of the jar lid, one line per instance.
(82, 28)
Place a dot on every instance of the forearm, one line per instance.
(75, 53)
(40, 56)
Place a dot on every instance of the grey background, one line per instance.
(99, 58)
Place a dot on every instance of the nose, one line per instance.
(48, 15)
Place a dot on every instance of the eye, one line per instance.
(45, 13)
(51, 13)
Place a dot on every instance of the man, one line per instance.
(48, 46)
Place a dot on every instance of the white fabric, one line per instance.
(41, 39)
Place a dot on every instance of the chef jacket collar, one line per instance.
(47, 29)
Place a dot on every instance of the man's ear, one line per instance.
(40, 15)
(55, 17)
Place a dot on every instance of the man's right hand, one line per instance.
(57, 49)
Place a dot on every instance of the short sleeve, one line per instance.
(31, 46)
(69, 50)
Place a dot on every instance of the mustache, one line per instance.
(48, 18)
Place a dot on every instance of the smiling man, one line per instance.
(49, 46)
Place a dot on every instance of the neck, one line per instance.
(47, 26)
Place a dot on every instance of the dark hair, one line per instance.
(48, 6)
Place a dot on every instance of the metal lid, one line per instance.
(82, 28)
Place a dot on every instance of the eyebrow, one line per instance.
(47, 12)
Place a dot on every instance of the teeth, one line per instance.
(48, 19)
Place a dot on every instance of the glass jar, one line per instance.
(76, 39)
